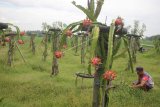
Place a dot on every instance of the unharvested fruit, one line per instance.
(22, 33)
(7, 39)
(58, 54)
(69, 32)
(96, 61)
(20, 42)
(87, 22)
(119, 21)
(109, 75)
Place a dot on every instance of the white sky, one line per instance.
(29, 14)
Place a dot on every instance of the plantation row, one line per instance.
(100, 45)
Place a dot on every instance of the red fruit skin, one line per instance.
(87, 22)
(7, 39)
(58, 54)
(109, 75)
(96, 61)
(69, 33)
(22, 33)
(118, 21)
(20, 42)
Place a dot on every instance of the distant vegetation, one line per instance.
(153, 37)
(155, 40)
(37, 32)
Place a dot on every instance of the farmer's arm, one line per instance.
(140, 85)
(137, 82)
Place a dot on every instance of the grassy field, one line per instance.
(30, 85)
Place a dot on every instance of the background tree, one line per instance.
(134, 42)
(156, 43)
(32, 43)
(46, 39)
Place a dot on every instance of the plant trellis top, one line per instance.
(91, 12)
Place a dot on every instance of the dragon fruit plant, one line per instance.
(103, 48)
(12, 39)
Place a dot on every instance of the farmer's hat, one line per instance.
(139, 69)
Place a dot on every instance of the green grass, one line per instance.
(30, 85)
(148, 42)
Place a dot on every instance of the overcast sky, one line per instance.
(29, 14)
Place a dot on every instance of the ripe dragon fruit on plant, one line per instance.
(96, 61)
(109, 75)
(20, 42)
(22, 33)
(58, 54)
(68, 33)
(7, 39)
(87, 22)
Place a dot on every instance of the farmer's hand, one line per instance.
(132, 86)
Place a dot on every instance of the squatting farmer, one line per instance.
(144, 82)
